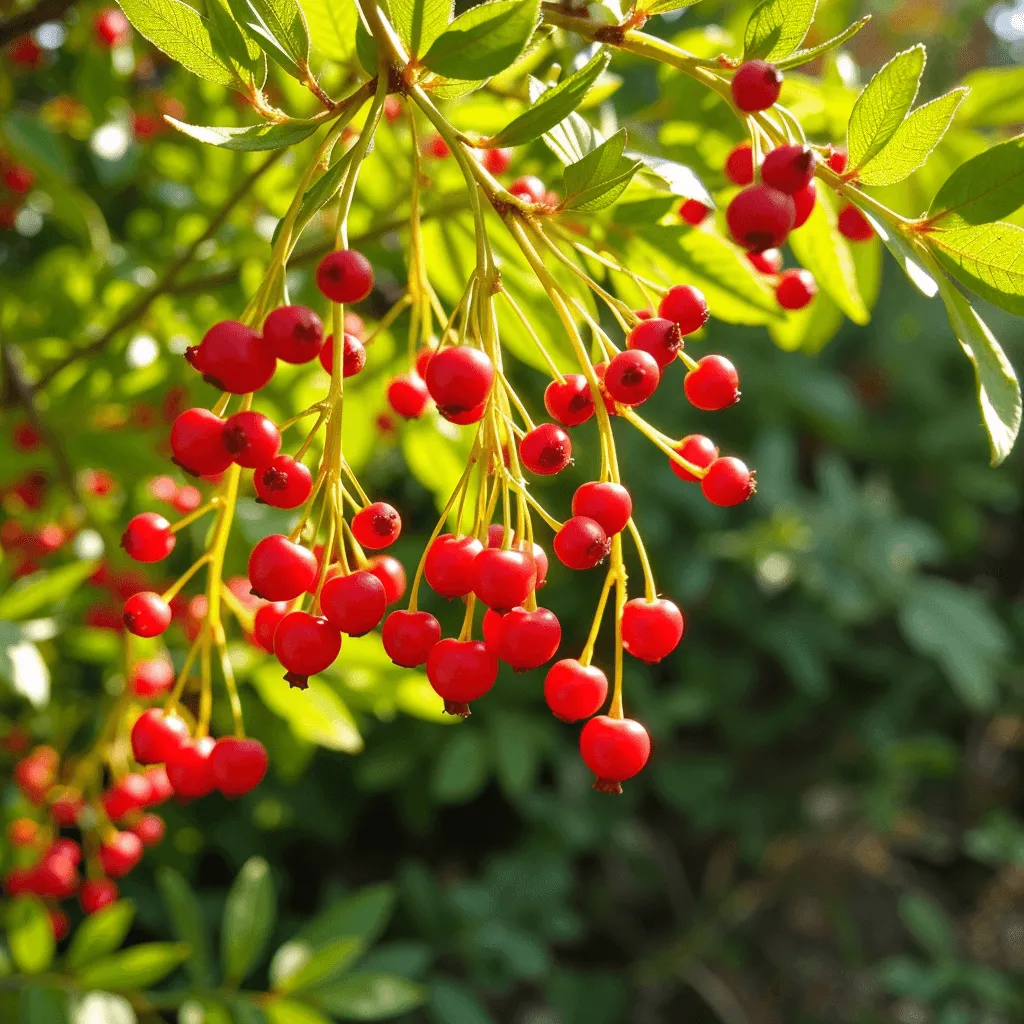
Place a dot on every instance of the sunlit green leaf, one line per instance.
(133, 968)
(484, 40)
(420, 22)
(776, 28)
(253, 138)
(364, 995)
(100, 933)
(332, 26)
(989, 187)
(249, 916)
(29, 934)
(987, 258)
(41, 590)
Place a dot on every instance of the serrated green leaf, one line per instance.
(100, 933)
(317, 714)
(989, 187)
(187, 923)
(251, 139)
(776, 28)
(913, 141)
(987, 258)
(484, 40)
(882, 106)
(133, 968)
(243, 53)
(602, 194)
(366, 995)
(996, 97)
(39, 591)
(29, 934)
(553, 106)
(419, 22)
(282, 25)
(184, 35)
(573, 138)
(43, 1006)
(249, 915)
(813, 52)
(332, 26)
(598, 165)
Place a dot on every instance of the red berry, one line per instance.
(760, 217)
(353, 355)
(252, 439)
(608, 504)
(355, 603)
(693, 211)
(495, 535)
(526, 640)
(437, 147)
(238, 765)
(571, 402)
(660, 337)
(837, 161)
(19, 179)
(146, 614)
(632, 377)
(22, 832)
(686, 307)
(713, 384)
(150, 829)
(496, 161)
(129, 793)
(448, 567)
(461, 671)
(97, 893)
(739, 164)
(803, 204)
(26, 52)
(408, 637)
(120, 853)
(305, 645)
(59, 924)
(582, 543)
(546, 449)
(190, 772)
(651, 630)
(148, 538)
(788, 168)
(459, 380)
(491, 627)
(768, 262)
(234, 358)
(503, 579)
(265, 622)
(345, 275)
(280, 569)
(756, 85)
(795, 289)
(160, 788)
(473, 415)
(198, 443)
(854, 225)
(157, 738)
(574, 691)
(377, 526)
(112, 27)
(390, 571)
(699, 451)
(408, 395)
(727, 482)
(295, 334)
(66, 809)
(529, 188)
(283, 482)
(614, 749)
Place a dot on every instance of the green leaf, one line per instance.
(43, 1006)
(989, 187)
(419, 22)
(996, 99)
(366, 995)
(187, 924)
(279, 26)
(485, 40)
(364, 914)
(453, 1003)
(987, 258)
(317, 714)
(133, 968)
(677, 178)
(776, 28)
(366, 49)
(554, 104)
(313, 967)
(184, 35)
(929, 924)
(253, 138)
(332, 26)
(244, 1012)
(244, 54)
(29, 934)
(100, 933)
(284, 1011)
(461, 769)
(248, 919)
(41, 590)
(882, 106)
(913, 141)
(322, 191)
(813, 52)
(664, 6)
(600, 177)
(573, 138)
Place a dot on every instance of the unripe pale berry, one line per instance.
(148, 538)
(344, 275)
(756, 85)
(570, 403)
(651, 630)
(795, 289)
(546, 449)
(574, 691)
(727, 482)
(699, 451)
(581, 543)
(713, 384)
(614, 749)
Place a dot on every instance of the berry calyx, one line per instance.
(571, 402)
(694, 212)
(294, 334)
(448, 567)
(252, 439)
(632, 377)
(146, 614)
(686, 307)
(503, 579)
(234, 358)
(581, 543)
(760, 217)
(408, 395)
(459, 380)
(157, 738)
(614, 749)
(461, 671)
(280, 569)
(795, 289)
(238, 765)
(198, 444)
(853, 225)
(651, 630)
(305, 645)
(546, 449)
(353, 357)
(608, 504)
(148, 538)
(739, 164)
(788, 168)
(756, 85)
(120, 853)
(344, 275)
(355, 603)
(526, 640)
(283, 482)
(574, 691)
(699, 451)
(408, 637)
(728, 482)
(377, 526)
(659, 336)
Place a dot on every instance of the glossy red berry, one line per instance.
(129, 793)
(355, 603)
(728, 482)
(120, 853)
(19, 179)
(739, 164)
(198, 442)
(526, 640)
(305, 645)
(146, 614)
(803, 204)
(295, 334)
(408, 637)
(503, 579)
(496, 161)
(265, 623)
(767, 262)
(760, 217)
(96, 893)
(459, 380)
(838, 160)
(632, 377)
(686, 307)
(353, 355)
(408, 395)
(658, 337)
(495, 536)
(148, 538)
(66, 809)
(252, 439)
(529, 189)
(150, 829)
(756, 85)
(854, 225)
(390, 571)
(448, 567)
(581, 543)
(280, 569)
(574, 691)
(490, 627)
(234, 358)
(345, 275)
(788, 168)
(160, 788)
(283, 482)
(546, 449)
(156, 738)
(571, 402)
(699, 451)
(651, 630)
(694, 212)
(238, 765)
(461, 671)
(112, 27)
(795, 289)
(190, 772)
(436, 147)
(614, 749)
(607, 503)
(377, 526)
(713, 384)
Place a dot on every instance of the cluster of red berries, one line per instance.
(16, 181)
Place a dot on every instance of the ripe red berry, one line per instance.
(345, 275)
(353, 355)
(581, 543)
(295, 334)
(788, 168)
(112, 27)
(238, 765)
(305, 645)
(795, 289)
(408, 395)
(35, 773)
(495, 535)
(120, 853)
(614, 749)
(607, 503)
(574, 691)
(234, 358)
(448, 567)
(838, 160)
(686, 307)
(571, 402)
(632, 377)
(546, 449)
(19, 179)
(854, 225)
(803, 204)
(96, 893)
(156, 738)
(699, 451)
(760, 217)
(355, 603)
(529, 188)
(651, 630)
(152, 676)
(768, 262)
(526, 640)
(461, 671)
(283, 482)
(252, 439)
(198, 443)
(713, 384)
(59, 924)
(739, 164)
(490, 627)
(150, 829)
(496, 161)
(148, 538)
(190, 773)
(756, 85)
(390, 571)
(265, 622)
(727, 482)
(659, 337)
(694, 212)
(459, 380)
(129, 793)
(377, 526)
(503, 579)
(437, 147)
(66, 809)
(280, 569)
(408, 637)
(146, 614)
